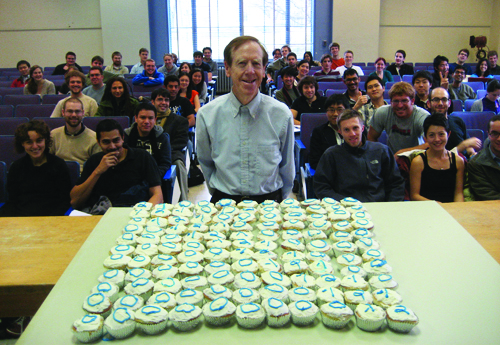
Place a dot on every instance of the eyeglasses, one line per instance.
(437, 100)
(335, 110)
(351, 79)
(71, 111)
(95, 75)
(494, 134)
(403, 101)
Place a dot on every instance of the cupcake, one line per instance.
(274, 290)
(206, 211)
(219, 243)
(139, 213)
(292, 235)
(161, 210)
(133, 229)
(245, 265)
(303, 280)
(185, 317)
(230, 211)
(139, 261)
(268, 225)
(349, 260)
(272, 277)
(328, 295)
(127, 239)
(89, 328)
(266, 244)
(277, 312)
(354, 282)
(358, 214)
(349, 270)
(195, 283)
(151, 319)
(147, 249)
(182, 212)
(264, 254)
(316, 256)
(131, 302)
(369, 317)
(243, 243)
(159, 222)
(294, 224)
(292, 255)
(245, 217)
(326, 281)
(163, 299)
(302, 293)
(113, 276)
(361, 233)
(220, 227)
(383, 281)
(250, 315)
(313, 217)
(353, 298)
(97, 304)
(164, 272)
(190, 296)
(216, 254)
(386, 298)
(315, 234)
(349, 202)
(174, 238)
(377, 267)
(117, 261)
(120, 324)
(216, 266)
(143, 205)
(155, 230)
(289, 202)
(401, 319)
(190, 255)
(266, 265)
(293, 245)
(338, 215)
(198, 228)
(295, 266)
(338, 236)
(335, 315)
(163, 259)
(366, 243)
(247, 203)
(124, 249)
(267, 235)
(141, 286)
(310, 201)
(362, 224)
(342, 225)
(241, 235)
(148, 238)
(193, 245)
(177, 229)
(318, 246)
(190, 268)
(215, 291)
(241, 253)
(171, 285)
(135, 273)
(247, 279)
(219, 312)
(246, 295)
(303, 312)
(241, 226)
(319, 268)
(269, 209)
(373, 254)
(138, 221)
(268, 203)
(295, 216)
(344, 247)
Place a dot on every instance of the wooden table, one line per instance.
(480, 219)
(34, 252)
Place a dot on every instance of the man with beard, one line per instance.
(117, 176)
(358, 168)
(75, 81)
(73, 141)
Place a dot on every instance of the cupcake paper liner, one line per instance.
(335, 323)
(368, 325)
(401, 326)
(219, 320)
(247, 322)
(123, 332)
(152, 328)
(303, 320)
(185, 326)
(278, 321)
(89, 336)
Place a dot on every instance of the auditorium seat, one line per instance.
(34, 110)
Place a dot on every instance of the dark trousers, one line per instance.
(276, 196)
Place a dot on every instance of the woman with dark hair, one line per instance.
(37, 85)
(303, 68)
(198, 79)
(310, 100)
(491, 101)
(184, 67)
(437, 174)
(309, 57)
(116, 100)
(186, 90)
(39, 183)
(482, 69)
(381, 72)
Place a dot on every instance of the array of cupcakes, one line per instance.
(246, 263)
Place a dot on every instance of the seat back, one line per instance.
(6, 111)
(142, 88)
(476, 133)
(476, 119)
(457, 105)
(330, 92)
(8, 153)
(52, 99)
(475, 85)
(8, 125)
(3, 182)
(468, 104)
(21, 99)
(407, 78)
(35, 110)
(74, 171)
(92, 121)
(52, 122)
(481, 94)
(4, 91)
(308, 122)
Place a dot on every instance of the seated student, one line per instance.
(116, 100)
(150, 76)
(482, 69)
(326, 69)
(310, 100)
(145, 134)
(441, 76)
(353, 94)
(490, 101)
(381, 72)
(375, 93)
(276, 55)
(199, 63)
(437, 174)
(23, 67)
(184, 67)
(97, 86)
(459, 90)
(358, 168)
(39, 183)
(179, 105)
(37, 85)
(64, 88)
(117, 176)
(207, 58)
(289, 92)
(303, 68)
(198, 79)
(349, 58)
(463, 55)
(186, 90)
(399, 67)
(64, 67)
(139, 67)
(169, 67)
(327, 135)
(422, 82)
(116, 67)
(309, 58)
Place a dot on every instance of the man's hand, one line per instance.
(107, 161)
(444, 80)
(470, 144)
(151, 78)
(362, 100)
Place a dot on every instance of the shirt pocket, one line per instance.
(267, 160)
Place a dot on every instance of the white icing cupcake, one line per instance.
(319, 268)
(138, 221)
(401, 319)
(219, 312)
(314, 234)
(315, 256)
(266, 245)
(216, 254)
(273, 277)
(246, 295)
(335, 315)
(221, 277)
(303, 280)
(163, 259)
(292, 255)
(317, 209)
(292, 235)
(377, 267)
(267, 235)
(241, 235)
(174, 238)
(277, 312)
(356, 208)
(296, 216)
(215, 291)
(348, 270)
(354, 282)
(152, 229)
(89, 328)
(310, 201)
(243, 265)
(124, 249)
(373, 254)
(216, 266)
(247, 203)
(190, 268)
(148, 238)
(139, 261)
(97, 304)
(120, 324)
(313, 217)
(289, 202)
(190, 296)
(328, 295)
(344, 247)
(182, 212)
(292, 244)
(135, 273)
(170, 248)
(131, 302)
(151, 319)
(302, 293)
(128, 239)
(141, 287)
(247, 279)
(161, 210)
(276, 291)
(171, 285)
(361, 233)
(185, 317)
(264, 254)
(190, 255)
(326, 281)
(318, 246)
(362, 224)
(113, 276)
(268, 225)
(369, 317)
(267, 265)
(271, 217)
(383, 281)
(159, 222)
(295, 266)
(353, 298)
(386, 298)
(147, 249)
(342, 225)
(117, 261)
(241, 226)
(250, 315)
(303, 312)
(219, 243)
(177, 229)
(338, 236)
(195, 283)
(220, 227)
(193, 245)
(241, 253)
(215, 235)
(338, 215)
(243, 243)
(295, 224)
(366, 243)
(345, 260)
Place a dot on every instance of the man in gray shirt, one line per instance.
(96, 90)
(207, 58)
(168, 68)
(402, 120)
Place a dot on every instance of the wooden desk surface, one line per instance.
(480, 219)
(34, 252)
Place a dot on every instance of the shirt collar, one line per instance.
(76, 134)
(495, 158)
(253, 106)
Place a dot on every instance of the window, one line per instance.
(199, 23)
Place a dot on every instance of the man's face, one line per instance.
(309, 91)
(247, 70)
(292, 60)
(117, 89)
(169, 63)
(143, 56)
(146, 120)
(333, 112)
(335, 51)
(161, 104)
(117, 60)
(443, 67)
(422, 86)
(288, 81)
(111, 142)
(96, 77)
(494, 135)
(326, 65)
(96, 63)
(198, 60)
(73, 114)
(70, 60)
(400, 59)
(402, 106)
(459, 75)
(352, 82)
(150, 68)
(352, 130)
(462, 57)
(493, 96)
(439, 101)
(374, 89)
(348, 59)
(207, 54)
(493, 60)
(285, 51)
(75, 85)
(24, 70)
(173, 89)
